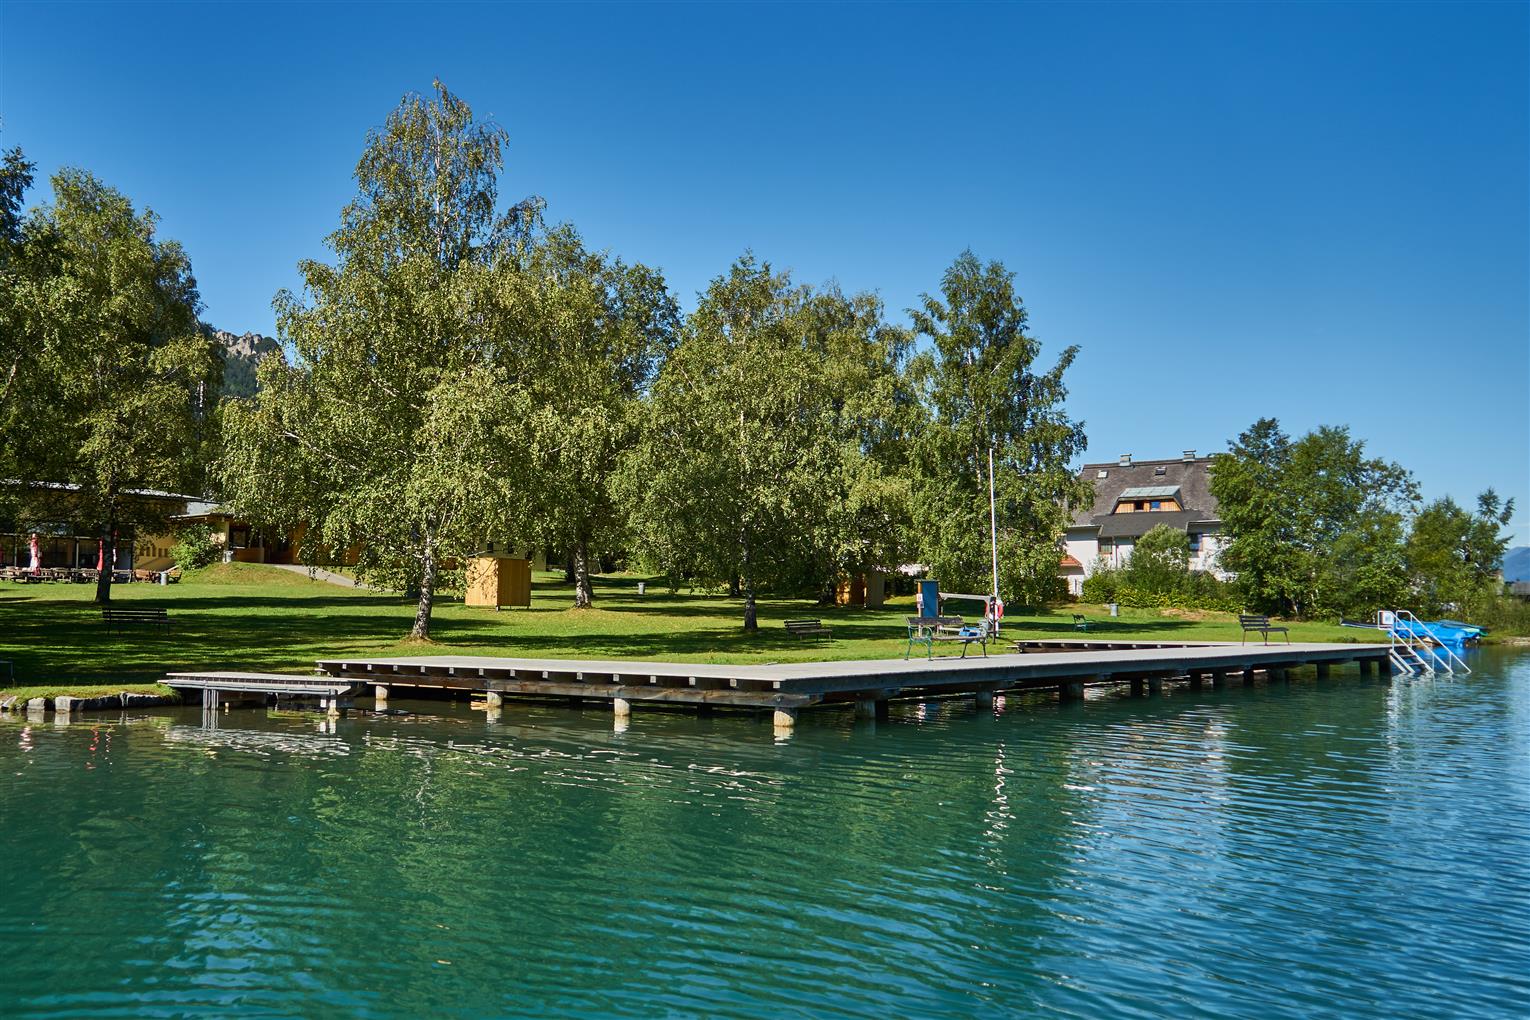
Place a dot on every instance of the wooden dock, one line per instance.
(783, 689)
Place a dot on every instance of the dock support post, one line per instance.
(334, 707)
(785, 718)
(1071, 690)
(621, 708)
(1196, 681)
(493, 699)
(1155, 685)
(884, 710)
(1248, 676)
(1219, 680)
(380, 695)
(983, 699)
(1367, 666)
(1322, 671)
(1139, 687)
(866, 708)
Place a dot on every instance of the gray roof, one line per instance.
(1137, 525)
(1191, 477)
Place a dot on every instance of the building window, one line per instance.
(1195, 542)
(1157, 505)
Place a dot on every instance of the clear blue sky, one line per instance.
(1320, 213)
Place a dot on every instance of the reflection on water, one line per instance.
(1350, 848)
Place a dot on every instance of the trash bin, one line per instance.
(640, 587)
(1114, 607)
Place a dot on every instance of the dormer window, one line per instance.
(1160, 471)
(1147, 498)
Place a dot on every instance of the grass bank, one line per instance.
(246, 616)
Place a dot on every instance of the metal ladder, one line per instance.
(1410, 650)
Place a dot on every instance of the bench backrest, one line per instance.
(1254, 621)
(131, 614)
(799, 624)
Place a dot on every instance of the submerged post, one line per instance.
(380, 694)
(621, 708)
(865, 708)
(1219, 679)
(785, 718)
(983, 699)
(1322, 671)
(1071, 690)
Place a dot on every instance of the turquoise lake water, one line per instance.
(1343, 848)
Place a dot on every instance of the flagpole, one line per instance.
(993, 529)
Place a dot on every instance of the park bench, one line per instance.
(116, 618)
(1261, 625)
(927, 630)
(1080, 621)
(808, 628)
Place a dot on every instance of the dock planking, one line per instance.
(1065, 666)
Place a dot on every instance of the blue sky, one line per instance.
(1320, 213)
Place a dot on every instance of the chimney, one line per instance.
(1189, 456)
(1126, 460)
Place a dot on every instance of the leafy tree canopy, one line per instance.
(981, 386)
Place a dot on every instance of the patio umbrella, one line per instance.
(36, 554)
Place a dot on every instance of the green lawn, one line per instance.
(246, 616)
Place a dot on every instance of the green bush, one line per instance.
(194, 548)
(1162, 590)
(1100, 586)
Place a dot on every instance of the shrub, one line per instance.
(1101, 585)
(195, 547)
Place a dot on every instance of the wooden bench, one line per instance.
(116, 619)
(1261, 625)
(1080, 621)
(808, 628)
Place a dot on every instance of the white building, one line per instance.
(1133, 497)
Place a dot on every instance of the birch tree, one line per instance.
(980, 382)
(380, 432)
(721, 484)
(591, 331)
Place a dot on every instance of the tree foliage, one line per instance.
(1454, 555)
(770, 439)
(591, 331)
(1314, 523)
(386, 431)
(982, 389)
(117, 364)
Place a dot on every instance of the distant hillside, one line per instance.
(240, 356)
(1516, 564)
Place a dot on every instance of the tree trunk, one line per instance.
(584, 594)
(746, 587)
(421, 628)
(569, 574)
(108, 554)
(733, 587)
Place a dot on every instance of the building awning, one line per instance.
(1069, 563)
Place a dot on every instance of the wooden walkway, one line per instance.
(785, 688)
